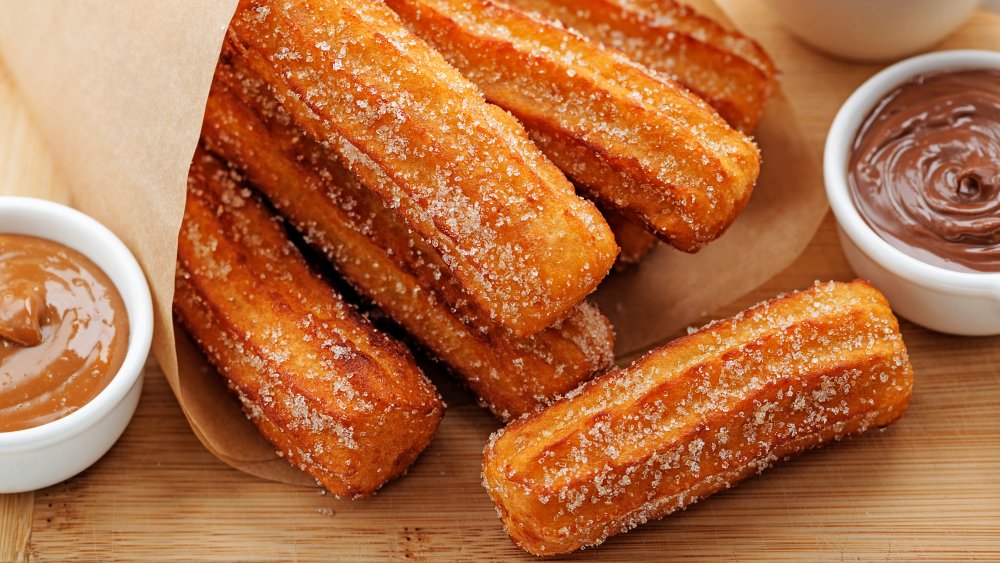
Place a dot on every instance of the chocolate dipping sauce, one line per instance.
(925, 169)
(63, 331)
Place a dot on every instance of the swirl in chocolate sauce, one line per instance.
(925, 169)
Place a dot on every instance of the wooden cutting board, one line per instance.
(928, 487)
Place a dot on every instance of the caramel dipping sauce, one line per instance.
(925, 169)
(63, 331)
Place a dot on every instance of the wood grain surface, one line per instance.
(26, 169)
(926, 488)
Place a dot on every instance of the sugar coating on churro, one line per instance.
(339, 399)
(698, 415)
(629, 138)
(388, 263)
(634, 241)
(729, 70)
(460, 172)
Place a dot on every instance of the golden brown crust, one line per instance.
(634, 241)
(460, 172)
(339, 399)
(698, 415)
(727, 69)
(386, 262)
(631, 139)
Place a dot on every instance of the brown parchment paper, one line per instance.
(118, 87)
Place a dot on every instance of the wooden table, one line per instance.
(928, 487)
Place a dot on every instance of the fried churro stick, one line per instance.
(339, 399)
(699, 415)
(727, 69)
(460, 172)
(386, 263)
(634, 241)
(631, 139)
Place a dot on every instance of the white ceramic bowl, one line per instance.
(939, 299)
(873, 30)
(38, 457)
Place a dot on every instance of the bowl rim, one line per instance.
(837, 152)
(135, 293)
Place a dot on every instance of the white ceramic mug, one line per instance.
(875, 30)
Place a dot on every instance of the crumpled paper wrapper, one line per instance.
(119, 90)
